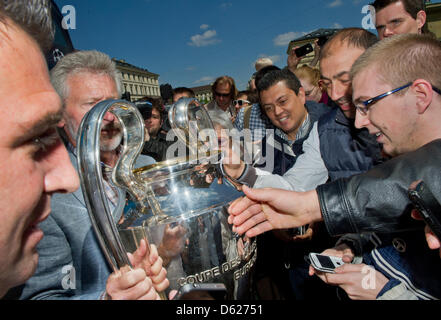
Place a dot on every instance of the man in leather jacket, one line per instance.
(395, 89)
(400, 106)
(156, 143)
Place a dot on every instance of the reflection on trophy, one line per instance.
(180, 205)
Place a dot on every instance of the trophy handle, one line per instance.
(188, 117)
(90, 173)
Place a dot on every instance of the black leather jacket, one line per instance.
(377, 200)
(156, 147)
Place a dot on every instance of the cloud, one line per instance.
(205, 39)
(190, 68)
(335, 3)
(226, 5)
(284, 38)
(204, 80)
(204, 26)
(337, 25)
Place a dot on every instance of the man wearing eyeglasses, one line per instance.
(334, 148)
(224, 90)
(396, 91)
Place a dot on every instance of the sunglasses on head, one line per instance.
(241, 102)
(222, 94)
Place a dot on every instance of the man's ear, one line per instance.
(421, 19)
(423, 94)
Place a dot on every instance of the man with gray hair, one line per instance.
(263, 62)
(34, 163)
(72, 265)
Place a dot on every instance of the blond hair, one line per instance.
(310, 74)
(403, 58)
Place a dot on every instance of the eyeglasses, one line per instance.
(222, 94)
(241, 102)
(363, 106)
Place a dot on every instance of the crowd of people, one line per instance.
(336, 145)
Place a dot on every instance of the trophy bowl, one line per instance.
(179, 205)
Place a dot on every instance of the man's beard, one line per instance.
(153, 132)
(110, 143)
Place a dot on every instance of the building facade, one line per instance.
(203, 93)
(137, 81)
(433, 11)
(310, 38)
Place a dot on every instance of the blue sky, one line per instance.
(191, 42)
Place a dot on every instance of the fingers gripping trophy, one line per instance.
(176, 204)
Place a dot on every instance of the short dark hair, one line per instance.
(157, 104)
(353, 37)
(251, 95)
(412, 7)
(275, 76)
(180, 90)
(33, 17)
(259, 74)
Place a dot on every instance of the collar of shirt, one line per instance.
(303, 131)
(109, 187)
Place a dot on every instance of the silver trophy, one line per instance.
(180, 205)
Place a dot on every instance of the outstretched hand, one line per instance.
(266, 209)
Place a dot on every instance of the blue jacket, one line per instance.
(346, 150)
(403, 258)
(406, 258)
(285, 156)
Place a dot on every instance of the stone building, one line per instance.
(137, 81)
(203, 93)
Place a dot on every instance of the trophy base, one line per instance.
(200, 248)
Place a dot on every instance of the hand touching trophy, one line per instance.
(173, 204)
